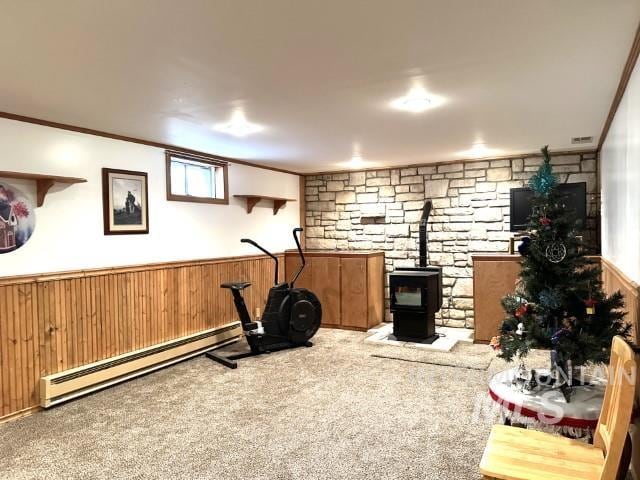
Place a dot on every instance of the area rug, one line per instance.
(463, 355)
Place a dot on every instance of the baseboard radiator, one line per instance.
(64, 386)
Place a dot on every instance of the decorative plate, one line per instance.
(17, 218)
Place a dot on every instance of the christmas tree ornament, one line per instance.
(521, 310)
(545, 222)
(555, 251)
(520, 331)
(550, 299)
(523, 248)
(590, 303)
(495, 343)
(559, 334)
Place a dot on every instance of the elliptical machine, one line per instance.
(291, 317)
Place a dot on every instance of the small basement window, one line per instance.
(191, 178)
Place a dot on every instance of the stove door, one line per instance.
(407, 293)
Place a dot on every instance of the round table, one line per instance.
(546, 408)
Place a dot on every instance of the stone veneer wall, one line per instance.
(381, 210)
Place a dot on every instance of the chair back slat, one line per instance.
(613, 424)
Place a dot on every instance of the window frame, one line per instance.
(213, 161)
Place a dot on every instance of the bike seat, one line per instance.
(235, 285)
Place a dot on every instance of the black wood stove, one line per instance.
(416, 294)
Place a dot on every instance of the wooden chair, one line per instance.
(520, 454)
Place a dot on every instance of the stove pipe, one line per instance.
(426, 210)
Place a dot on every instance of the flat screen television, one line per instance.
(573, 194)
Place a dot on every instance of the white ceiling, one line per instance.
(320, 74)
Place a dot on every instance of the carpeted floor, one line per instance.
(333, 411)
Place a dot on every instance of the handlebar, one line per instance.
(275, 259)
(296, 231)
(295, 237)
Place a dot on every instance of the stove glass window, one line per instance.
(409, 296)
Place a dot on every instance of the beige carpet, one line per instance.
(333, 411)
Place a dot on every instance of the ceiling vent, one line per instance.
(581, 140)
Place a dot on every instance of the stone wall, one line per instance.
(381, 210)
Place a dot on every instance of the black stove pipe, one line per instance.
(426, 210)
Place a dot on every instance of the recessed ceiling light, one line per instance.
(238, 126)
(356, 161)
(417, 101)
(480, 150)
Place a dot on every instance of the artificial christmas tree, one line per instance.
(559, 303)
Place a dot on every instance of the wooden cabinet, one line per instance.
(325, 283)
(353, 277)
(291, 265)
(349, 285)
(494, 276)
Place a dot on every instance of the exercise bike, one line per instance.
(291, 317)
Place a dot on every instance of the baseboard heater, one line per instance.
(64, 386)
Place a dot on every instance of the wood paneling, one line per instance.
(375, 290)
(292, 264)
(55, 322)
(325, 283)
(354, 292)
(613, 280)
(494, 276)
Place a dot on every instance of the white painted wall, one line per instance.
(620, 165)
(69, 226)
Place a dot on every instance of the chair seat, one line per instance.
(235, 285)
(520, 454)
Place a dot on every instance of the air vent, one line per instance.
(581, 140)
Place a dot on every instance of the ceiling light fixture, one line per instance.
(238, 126)
(356, 161)
(417, 101)
(480, 150)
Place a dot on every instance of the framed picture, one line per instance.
(125, 202)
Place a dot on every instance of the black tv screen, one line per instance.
(574, 195)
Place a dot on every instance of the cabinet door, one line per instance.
(354, 292)
(375, 290)
(491, 281)
(292, 264)
(325, 275)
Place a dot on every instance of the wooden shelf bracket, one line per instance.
(252, 200)
(43, 182)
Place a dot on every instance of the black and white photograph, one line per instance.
(124, 202)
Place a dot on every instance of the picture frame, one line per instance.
(125, 202)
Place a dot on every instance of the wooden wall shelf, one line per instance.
(43, 182)
(278, 202)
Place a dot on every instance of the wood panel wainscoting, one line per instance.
(54, 322)
(614, 280)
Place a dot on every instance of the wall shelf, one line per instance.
(252, 200)
(43, 182)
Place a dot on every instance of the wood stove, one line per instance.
(416, 294)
